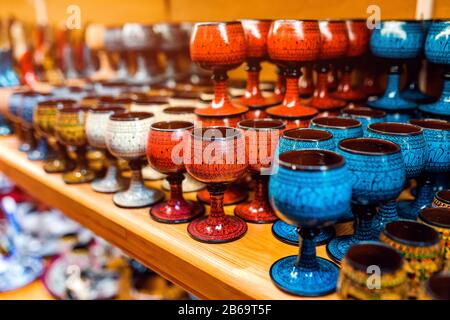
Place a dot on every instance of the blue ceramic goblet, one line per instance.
(377, 175)
(437, 137)
(437, 50)
(365, 115)
(300, 139)
(412, 144)
(29, 104)
(311, 189)
(397, 41)
(340, 128)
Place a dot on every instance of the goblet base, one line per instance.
(217, 230)
(407, 211)
(288, 233)
(189, 184)
(260, 102)
(183, 211)
(36, 155)
(79, 176)
(57, 166)
(314, 282)
(234, 194)
(416, 95)
(5, 130)
(395, 103)
(137, 198)
(337, 248)
(108, 185)
(254, 213)
(17, 273)
(25, 147)
(439, 108)
(148, 173)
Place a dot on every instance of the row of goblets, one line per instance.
(379, 168)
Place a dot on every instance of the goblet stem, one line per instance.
(136, 181)
(176, 190)
(322, 81)
(346, 79)
(216, 192)
(424, 196)
(387, 212)
(292, 96)
(29, 137)
(261, 197)
(252, 89)
(393, 81)
(280, 85)
(364, 216)
(142, 73)
(307, 258)
(221, 97)
(412, 80)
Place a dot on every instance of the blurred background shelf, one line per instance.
(238, 270)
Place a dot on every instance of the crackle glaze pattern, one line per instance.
(340, 128)
(69, 127)
(333, 39)
(96, 123)
(288, 143)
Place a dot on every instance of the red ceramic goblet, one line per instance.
(216, 156)
(358, 43)
(261, 139)
(291, 43)
(333, 46)
(219, 46)
(256, 32)
(165, 152)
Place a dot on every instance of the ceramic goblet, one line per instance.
(439, 219)
(442, 199)
(299, 139)
(126, 138)
(216, 156)
(165, 145)
(261, 139)
(396, 41)
(256, 32)
(365, 115)
(358, 44)
(437, 287)
(290, 44)
(96, 122)
(437, 137)
(15, 103)
(412, 144)
(311, 189)
(355, 276)
(219, 47)
(377, 175)
(70, 131)
(340, 128)
(333, 45)
(437, 50)
(420, 245)
(45, 120)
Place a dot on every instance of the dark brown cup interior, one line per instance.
(189, 95)
(151, 100)
(179, 110)
(261, 124)
(131, 116)
(364, 112)
(336, 122)
(369, 146)
(108, 109)
(310, 160)
(307, 134)
(439, 217)
(58, 102)
(215, 133)
(361, 256)
(432, 124)
(444, 196)
(172, 125)
(395, 128)
(438, 286)
(411, 233)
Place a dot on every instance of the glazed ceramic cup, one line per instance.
(311, 189)
(340, 128)
(166, 141)
(333, 45)
(419, 245)
(45, 121)
(216, 156)
(439, 220)
(292, 43)
(70, 131)
(219, 47)
(299, 139)
(437, 287)
(365, 115)
(256, 32)
(412, 144)
(14, 105)
(442, 199)
(261, 139)
(356, 279)
(96, 122)
(126, 138)
(378, 174)
(437, 137)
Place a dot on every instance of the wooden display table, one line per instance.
(237, 270)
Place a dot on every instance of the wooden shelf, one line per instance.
(237, 270)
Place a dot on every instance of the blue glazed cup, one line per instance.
(413, 147)
(340, 128)
(365, 115)
(303, 138)
(310, 189)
